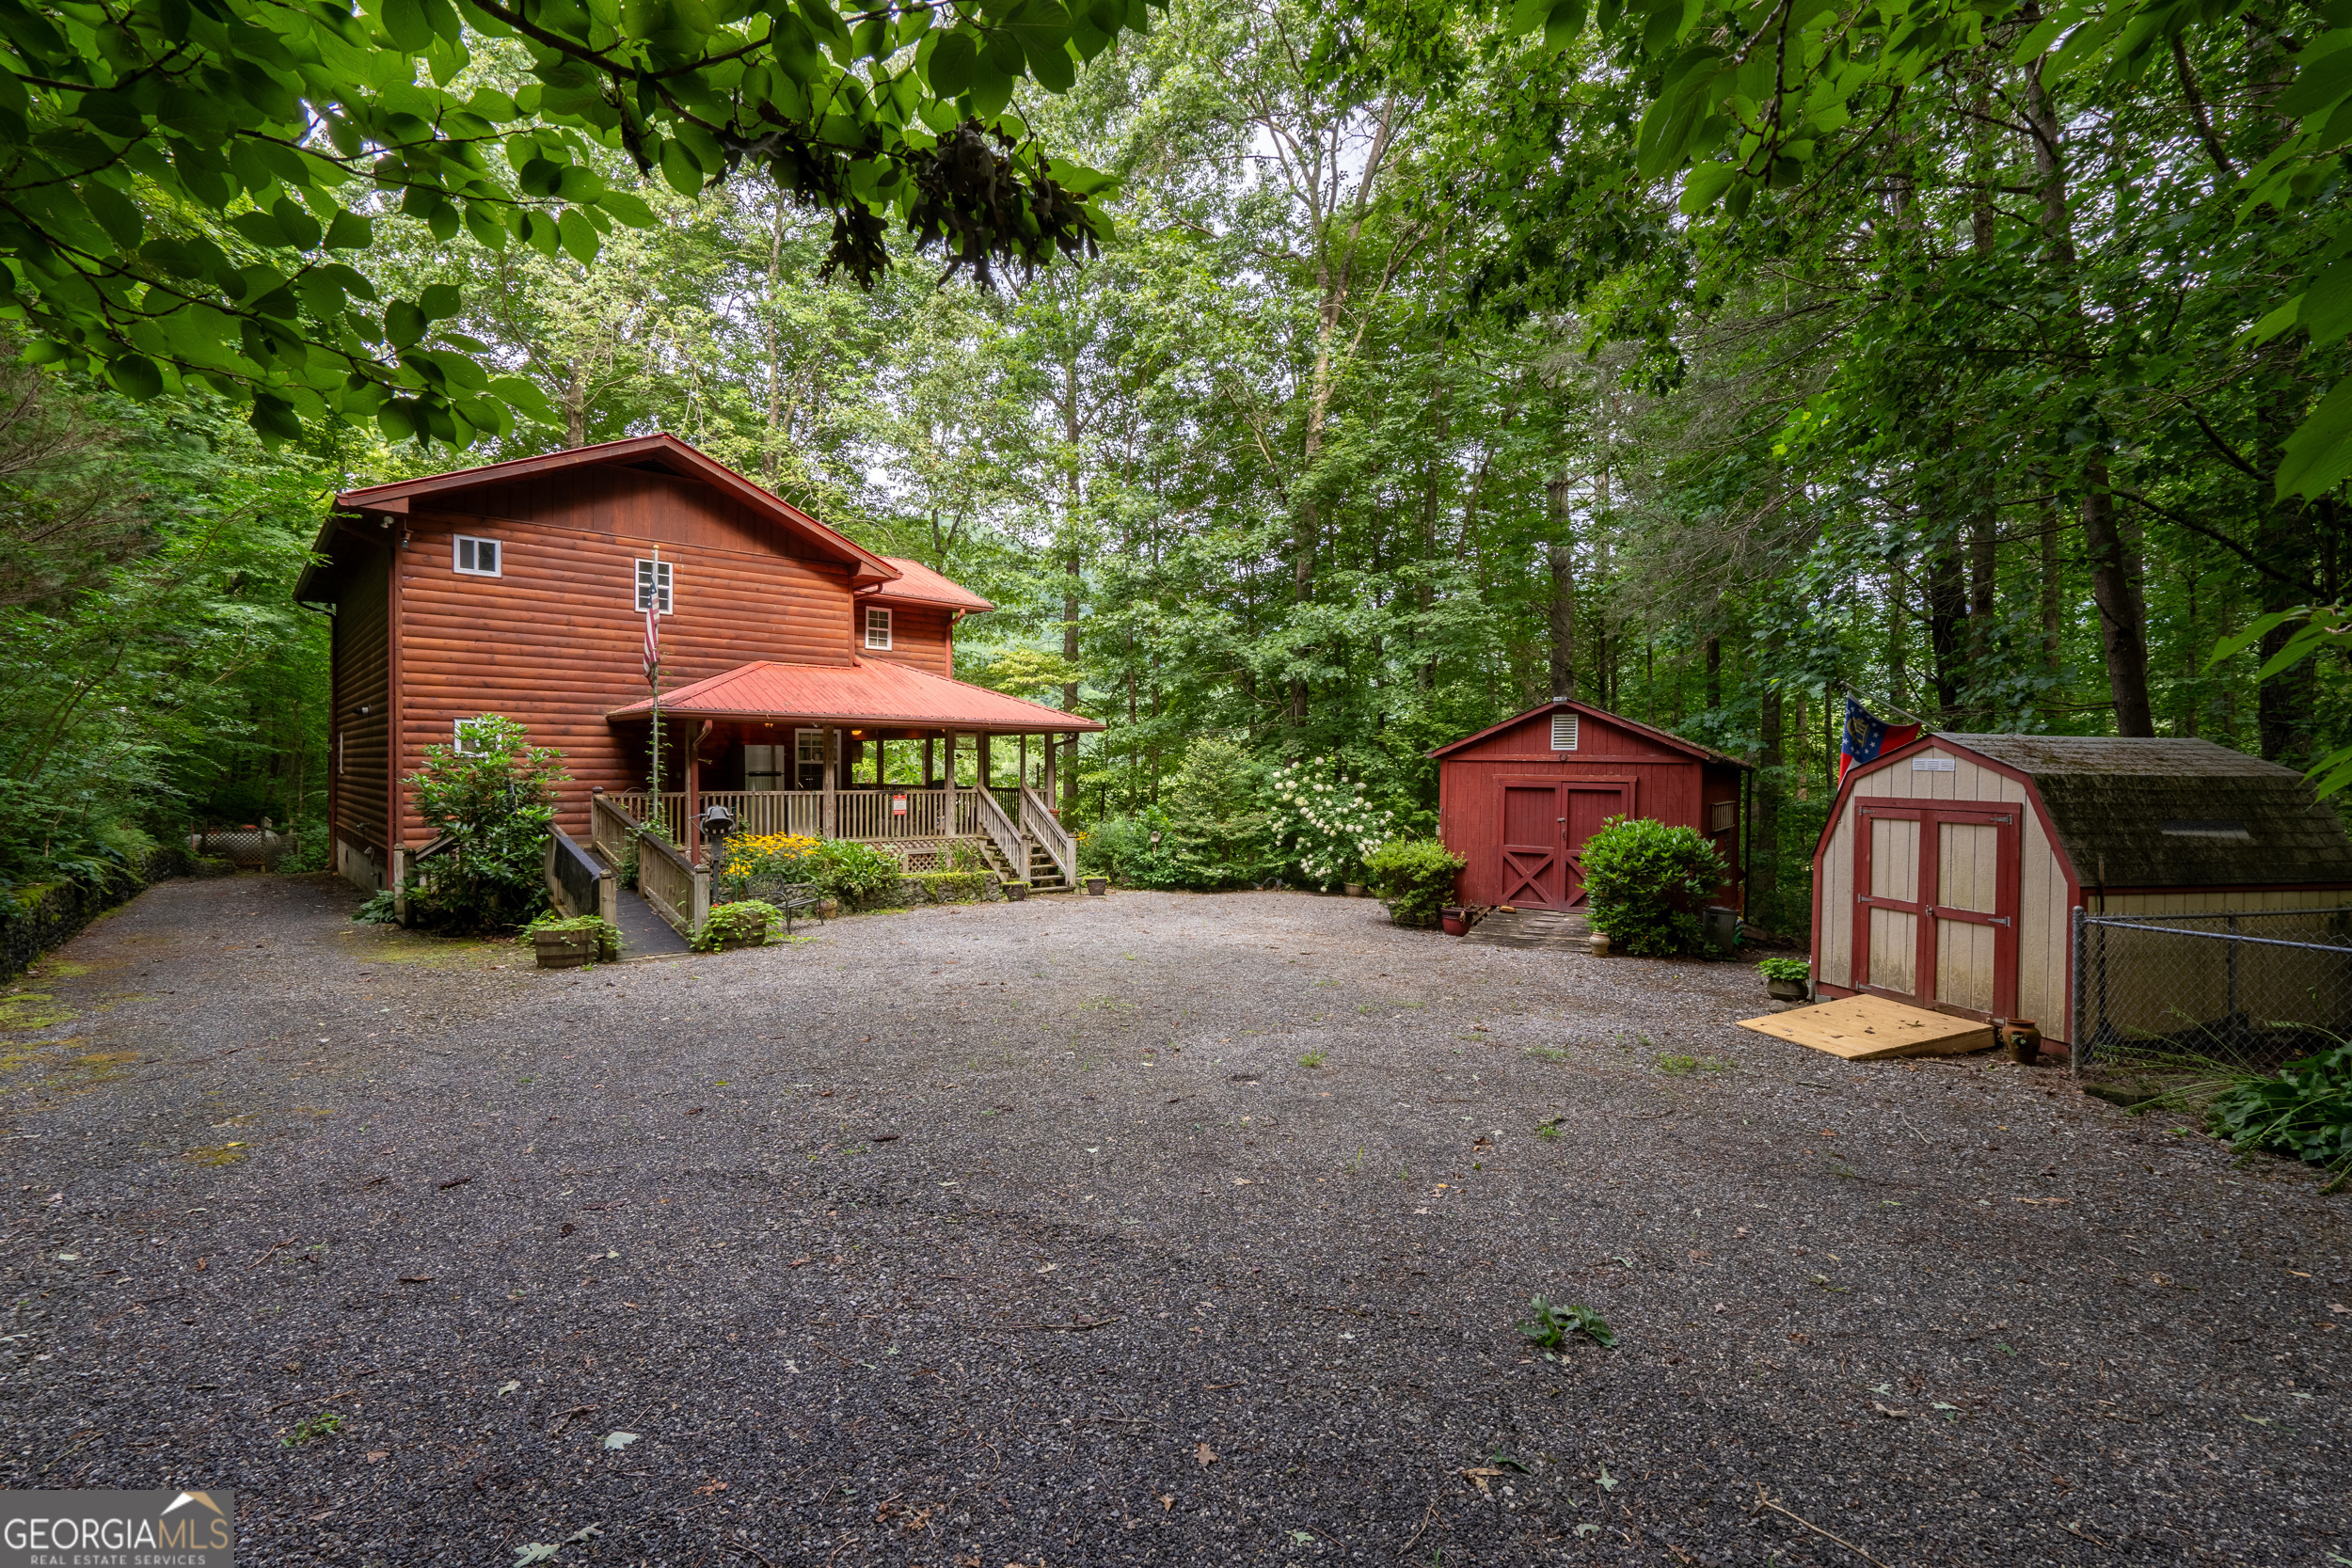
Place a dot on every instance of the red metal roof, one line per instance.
(919, 584)
(876, 693)
(663, 450)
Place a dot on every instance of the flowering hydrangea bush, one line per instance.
(1323, 827)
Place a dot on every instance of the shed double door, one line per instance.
(1935, 904)
(1545, 824)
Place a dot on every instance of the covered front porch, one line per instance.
(843, 753)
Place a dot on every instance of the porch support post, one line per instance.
(1050, 747)
(692, 825)
(930, 778)
(1024, 761)
(980, 770)
(829, 817)
(954, 816)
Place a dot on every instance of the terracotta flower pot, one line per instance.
(1598, 943)
(2021, 1040)
(563, 949)
(1452, 922)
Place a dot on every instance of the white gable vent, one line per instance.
(1563, 732)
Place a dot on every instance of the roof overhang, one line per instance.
(880, 693)
(1691, 747)
(658, 453)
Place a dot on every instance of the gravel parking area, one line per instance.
(1154, 1229)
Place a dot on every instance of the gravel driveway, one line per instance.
(1028, 1233)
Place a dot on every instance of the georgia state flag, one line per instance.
(1866, 735)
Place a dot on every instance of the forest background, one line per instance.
(1407, 394)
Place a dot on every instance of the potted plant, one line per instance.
(729, 926)
(1015, 889)
(1787, 979)
(1097, 886)
(567, 943)
(1453, 920)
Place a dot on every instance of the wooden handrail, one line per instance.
(1039, 822)
(1001, 832)
(679, 890)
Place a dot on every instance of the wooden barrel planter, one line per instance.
(564, 949)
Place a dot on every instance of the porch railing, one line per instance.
(1002, 833)
(865, 812)
(678, 891)
(1039, 822)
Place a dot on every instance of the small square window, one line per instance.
(876, 627)
(461, 737)
(654, 576)
(476, 557)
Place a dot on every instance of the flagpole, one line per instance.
(1924, 726)
(653, 676)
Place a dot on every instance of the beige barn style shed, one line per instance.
(1949, 870)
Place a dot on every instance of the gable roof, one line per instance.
(879, 692)
(661, 454)
(919, 584)
(1691, 747)
(2163, 811)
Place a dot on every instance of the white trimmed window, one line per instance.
(461, 737)
(1563, 732)
(653, 576)
(474, 558)
(876, 627)
(811, 747)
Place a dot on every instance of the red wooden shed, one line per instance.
(1518, 801)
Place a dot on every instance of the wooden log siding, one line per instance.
(920, 634)
(555, 639)
(361, 767)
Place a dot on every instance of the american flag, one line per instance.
(653, 627)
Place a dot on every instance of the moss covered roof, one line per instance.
(2168, 813)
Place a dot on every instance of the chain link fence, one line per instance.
(2250, 991)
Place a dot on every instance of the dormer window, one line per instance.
(475, 557)
(877, 627)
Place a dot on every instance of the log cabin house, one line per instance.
(797, 666)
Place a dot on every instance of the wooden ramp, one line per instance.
(1555, 929)
(1865, 1028)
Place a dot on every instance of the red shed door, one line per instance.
(1935, 904)
(1589, 804)
(1532, 868)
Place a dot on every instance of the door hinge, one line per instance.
(1997, 919)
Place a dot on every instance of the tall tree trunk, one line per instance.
(576, 404)
(1561, 554)
(1712, 647)
(2051, 603)
(1765, 882)
(2114, 564)
(1947, 593)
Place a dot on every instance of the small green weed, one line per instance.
(1312, 1058)
(1545, 1053)
(325, 1424)
(1548, 1131)
(1677, 1066)
(1548, 1330)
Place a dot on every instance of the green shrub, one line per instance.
(1414, 878)
(854, 873)
(745, 921)
(1785, 969)
(2305, 1112)
(495, 801)
(1645, 881)
(378, 909)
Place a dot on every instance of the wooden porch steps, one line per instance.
(1560, 931)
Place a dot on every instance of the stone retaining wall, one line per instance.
(45, 915)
